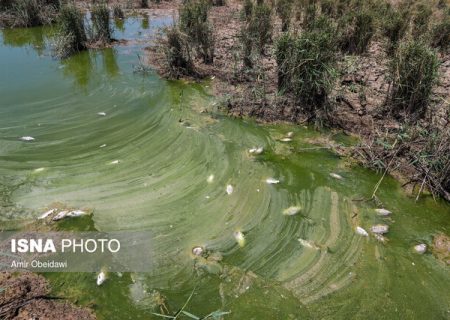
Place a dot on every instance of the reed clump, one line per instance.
(194, 23)
(101, 28)
(118, 12)
(356, 29)
(306, 64)
(28, 13)
(72, 33)
(177, 53)
(414, 71)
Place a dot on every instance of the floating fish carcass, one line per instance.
(210, 178)
(420, 248)
(101, 277)
(336, 176)
(102, 114)
(76, 213)
(362, 232)
(383, 212)
(60, 215)
(379, 228)
(229, 189)
(308, 244)
(240, 239)
(292, 211)
(285, 139)
(115, 162)
(272, 181)
(256, 150)
(47, 213)
(197, 251)
(27, 138)
(290, 134)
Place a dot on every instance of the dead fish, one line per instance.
(103, 145)
(336, 176)
(114, 162)
(380, 238)
(285, 139)
(291, 211)
(229, 189)
(290, 134)
(27, 138)
(38, 170)
(361, 232)
(308, 244)
(101, 277)
(379, 228)
(197, 251)
(272, 181)
(46, 214)
(420, 248)
(383, 212)
(256, 150)
(102, 114)
(240, 239)
(76, 213)
(210, 179)
(60, 215)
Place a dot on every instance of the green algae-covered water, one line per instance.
(161, 158)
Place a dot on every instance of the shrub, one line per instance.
(356, 31)
(327, 8)
(305, 65)
(194, 22)
(247, 9)
(284, 10)
(144, 4)
(72, 35)
(414, 71)
(440, 34)
(310, 13)
(421, 19)
(177, 53)
(118, 12)
(259, 27)
(101, 30)
(30, 13)
(395, 25)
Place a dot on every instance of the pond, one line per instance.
(157, 155)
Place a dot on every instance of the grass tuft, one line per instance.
(101, 29)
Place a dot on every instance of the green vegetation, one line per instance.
(395, 25)
(414, 71)
(284, 10)
(28, 13)
(118, 12)
(72, 34)
(355, 31)
(306, 65)
(177, 53)
(440, 34)
(194, 23)
(421, 19)
(101, 29)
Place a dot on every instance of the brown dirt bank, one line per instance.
(26, 296)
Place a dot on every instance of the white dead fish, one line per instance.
(336, 176)
(102, 114)
(380, 238)
(285, 139)
(114, 162)
(291, 211)
(76, 213)
(197, 251)
(272, 181)
(210, 179)
(361, 232)
(383, 212)
(101, 277)
(240, 239)
(46, 214)
(256, 150)
(380, 228)
(420, 248)
(60, 215)
(229, 189)
(27, 138)
(103, 145)
(290, 134)
(38, 170)
(308, 244)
